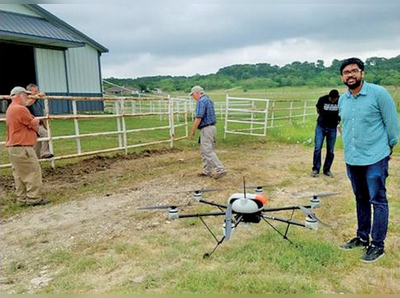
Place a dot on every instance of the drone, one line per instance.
(246, 208)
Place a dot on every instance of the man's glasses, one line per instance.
(352, 72)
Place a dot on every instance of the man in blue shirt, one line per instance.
(205, 121)
(370, 131)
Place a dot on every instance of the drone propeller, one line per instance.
(228, 221)
(201, 190)
(320, 195)
(256, 186)
(312, 215)
(161, 207)
(327, 194)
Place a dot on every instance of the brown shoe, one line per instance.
(219, 175)
(203, 175)
(38, 203)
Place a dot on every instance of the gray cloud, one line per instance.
(173, 37)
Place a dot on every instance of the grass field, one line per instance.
(91, 239)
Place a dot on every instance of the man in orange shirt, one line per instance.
(22, 130)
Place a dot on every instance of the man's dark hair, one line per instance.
(334, 93)
(349, 61)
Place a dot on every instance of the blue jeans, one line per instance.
(368, 184)
(320, 133)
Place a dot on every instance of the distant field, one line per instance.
(286, 93)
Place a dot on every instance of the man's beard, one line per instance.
(355, 85)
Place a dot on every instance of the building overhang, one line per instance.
(26, 29)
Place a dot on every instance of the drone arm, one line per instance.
(288, 221)
(212, 204)
(201, 214)
(284, 208)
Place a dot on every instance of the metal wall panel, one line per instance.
(52, 77)
(50, 70)
(83, 70)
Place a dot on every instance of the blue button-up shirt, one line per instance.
(205, 111)
(370, 124)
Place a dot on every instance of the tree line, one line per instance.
(383, 71)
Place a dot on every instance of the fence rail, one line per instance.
(246, 116)
(120, 113)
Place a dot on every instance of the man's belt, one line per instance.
(207, 125)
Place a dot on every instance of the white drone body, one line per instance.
(251, 203)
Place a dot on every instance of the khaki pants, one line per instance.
(27, 174)
(208, 155)
(42, 148)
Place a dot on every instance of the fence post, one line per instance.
(124, 136)
(252, 117)
(226, 114)
(178, 110)
(266, 117)
(160, 109)
(76, 125)
(47, 114)
(133, 107)
(273, 114)
(185, 105)
(171, 121)
(305, 111)
(192, 108)
(119, 129)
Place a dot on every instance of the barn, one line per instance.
(38, 47)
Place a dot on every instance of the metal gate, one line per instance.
(246, 116)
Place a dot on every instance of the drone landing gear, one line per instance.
(288, 222)
(279, 232)
(219, 242)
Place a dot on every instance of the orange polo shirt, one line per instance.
(21, 127)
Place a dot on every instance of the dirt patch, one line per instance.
(78, 172)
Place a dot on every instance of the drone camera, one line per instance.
(173, 213)
(311, 223)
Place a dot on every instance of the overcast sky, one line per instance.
(148, 38)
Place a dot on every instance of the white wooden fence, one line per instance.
(278, 110)
(243, 115)
(251, 114)
(172, 108)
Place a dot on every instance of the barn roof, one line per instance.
(48, 29)
(24, 28)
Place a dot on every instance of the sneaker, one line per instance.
(48, 156)
(314, 173)
(38, 203)
(354, 243)
(329, 174)
(219, 175)
(372, 253)
(203, 175)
